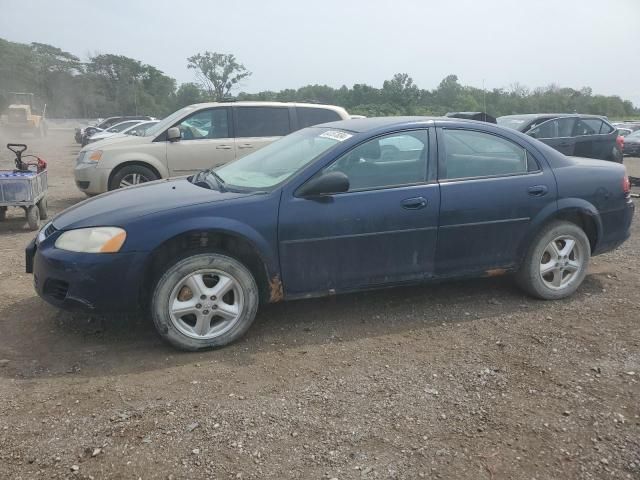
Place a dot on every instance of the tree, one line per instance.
(218, 73)
(188, 94)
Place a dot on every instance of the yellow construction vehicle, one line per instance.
(25, 114)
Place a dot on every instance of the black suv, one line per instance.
(588, 136)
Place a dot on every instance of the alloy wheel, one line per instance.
(205, 304)
(561, 262)
(132, 179)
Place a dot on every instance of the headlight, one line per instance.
(90, 156)
(92, 240)
(42, 234)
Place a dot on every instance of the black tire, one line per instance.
(145, 173)
(43, 206)
(3, 214)
(172, 278)
(530, 278)
(33, 217)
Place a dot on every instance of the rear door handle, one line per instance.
(223, 147)
(246, 145)
(415, 203)
(538, 190)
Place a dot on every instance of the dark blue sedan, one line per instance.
(340, 207)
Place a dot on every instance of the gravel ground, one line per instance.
(459, 380)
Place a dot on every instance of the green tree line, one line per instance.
(108, 84)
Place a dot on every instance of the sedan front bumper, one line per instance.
(98, 282)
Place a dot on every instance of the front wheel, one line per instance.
(556, 263)
(131, 175)
(204, 301)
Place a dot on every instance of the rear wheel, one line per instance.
(204, 301)
(131, 175)
(556, 263)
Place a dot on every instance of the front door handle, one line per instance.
(538, 190)
(246, 145)
(415, 203)
(223, 147)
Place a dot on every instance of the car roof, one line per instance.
(244, 103)
(553, 115)
(372, 123)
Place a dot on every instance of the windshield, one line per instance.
(140, 129)
(279, 160)
(122, 126)
(162, 125)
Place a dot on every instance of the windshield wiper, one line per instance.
(221, 182)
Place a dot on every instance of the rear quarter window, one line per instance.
(606, 128)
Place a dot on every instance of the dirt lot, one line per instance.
(460, 380)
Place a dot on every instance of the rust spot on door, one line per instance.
(276, 292)
(496, 272)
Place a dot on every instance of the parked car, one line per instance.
(632, 144)
(321, 211)
(632, 125)
(196, 137)
(131, 127)
(111, 131)
(81, 134)
(587, 136)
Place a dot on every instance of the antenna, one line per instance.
(484, 99)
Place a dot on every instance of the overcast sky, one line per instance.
(291, 43)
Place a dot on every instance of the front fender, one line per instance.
(164, 231)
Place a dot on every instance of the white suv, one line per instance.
(194, 138)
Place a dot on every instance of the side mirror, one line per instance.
(325, 184)
(173, 134)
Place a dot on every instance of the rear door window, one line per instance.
(309, 116)
(262, 121)
(588, 126)
(556, 128)
(471, 154)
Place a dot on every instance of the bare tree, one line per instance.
(217, 72)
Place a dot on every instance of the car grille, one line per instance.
(56, 289)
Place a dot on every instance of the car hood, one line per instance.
(632, 140)
(120, 207)
(116, 140)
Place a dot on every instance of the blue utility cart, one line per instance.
(25, 187)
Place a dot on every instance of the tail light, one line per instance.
(626, 185)
(620, 142)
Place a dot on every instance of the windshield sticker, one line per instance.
(336, 135)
